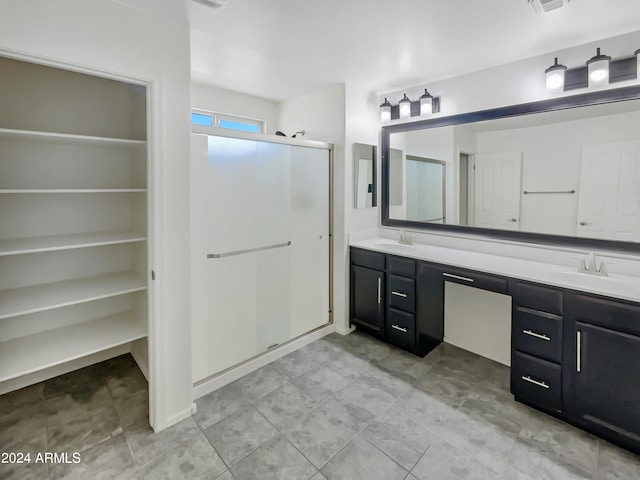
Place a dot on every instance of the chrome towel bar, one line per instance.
(249, 250)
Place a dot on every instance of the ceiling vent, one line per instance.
(545, 6)
(212, 3)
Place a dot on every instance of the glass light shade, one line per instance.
(598, 67)
(555, 77)
(385, 111)
(637, 54)
(405, 107)
(426, 103)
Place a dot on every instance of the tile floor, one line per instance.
(342, 408)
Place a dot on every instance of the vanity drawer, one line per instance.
(484, 281)
(366, 258)
(537, 297)
(536, 381)
(538, 333)
(401, 266)
(605, 312)
(401, 293)
(401, 329)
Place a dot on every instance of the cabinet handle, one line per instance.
(537, 335)
(379, 290)
(466, 279)
(578, 352)
(535, 382)
(404, 330)
(398, 294)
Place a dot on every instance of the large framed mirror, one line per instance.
(564, 171)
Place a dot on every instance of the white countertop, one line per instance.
(615, 285)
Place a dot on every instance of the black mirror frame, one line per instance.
(573, 101)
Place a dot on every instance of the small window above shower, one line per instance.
(203, 118)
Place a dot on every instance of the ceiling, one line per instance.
(279, 49)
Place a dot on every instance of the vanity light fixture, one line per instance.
(555, 77)
(405, 107)
(426, 103)
(598, 67)
(637, 54)
(385, 111)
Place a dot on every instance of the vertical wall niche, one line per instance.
(73, 221)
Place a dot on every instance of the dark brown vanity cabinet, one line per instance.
(536, 340)
(603, 367)
(367, 291)
(397, 300)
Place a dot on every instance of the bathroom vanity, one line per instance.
(575, 337)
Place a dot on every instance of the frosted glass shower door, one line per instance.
(310, 239)
(249, 231)
(268, 244)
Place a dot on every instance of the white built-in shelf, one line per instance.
(72, 190)
(31, 353)
(53, 137)
(17, 246)
(37, 298)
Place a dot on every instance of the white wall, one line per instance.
(220, 100)
(112, 39)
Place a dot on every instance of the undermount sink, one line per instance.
(397, 247)
(595, 282)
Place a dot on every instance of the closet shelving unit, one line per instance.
(73, 217)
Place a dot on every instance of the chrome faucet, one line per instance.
(588, 265)
(405, 238)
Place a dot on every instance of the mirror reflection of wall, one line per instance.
(364, 174)
(425, 181)
(573, 172)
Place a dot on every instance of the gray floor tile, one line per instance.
(259, 383)
(123, 377)
(321, 382)
(616, 464)
(372, 398)
(377, 377)
(79, 383)
(348, 365)
(443, 461)
(410, 477)
(404, 365)
(565, 444)
(400, 437)
(426, 407)
(527, 462)
(193, 459)
(453, 384)
(240, 434)
(109, 460)
(486, 441)
(276, 459)
(26, 470)
(133, 409)
(318, 476)
(360, 459)
(284, 406)
(225, 476)
(324, 431)
(146, 445)
(294, 364)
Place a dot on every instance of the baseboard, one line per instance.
(42, 375)
(208, 385)
(342, 331)
(178, 417)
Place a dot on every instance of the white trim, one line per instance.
(347, 331)
(211, 384)
(178, 417)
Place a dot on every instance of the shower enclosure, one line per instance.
(267, 240)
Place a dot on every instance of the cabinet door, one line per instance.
(367, 302)
(605, 381)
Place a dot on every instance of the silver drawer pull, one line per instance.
(403, 330)
(398, 294)
(537, 335)
(379, 290)
(535, 382)
(466, 279)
